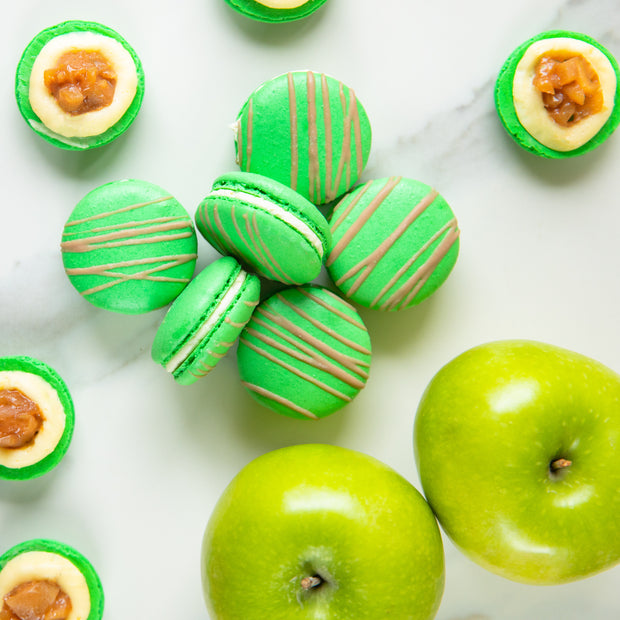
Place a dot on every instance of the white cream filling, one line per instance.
(92, 123)
(214, 317)
(46, 397)
(275, 210)
(529, 104)
(282, 4)
(43, 565)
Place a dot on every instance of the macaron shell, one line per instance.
(50, 376)
(192, 308)
(129, 246)
(305, 353)
(93, 581)
(269, 245)
(394, 242)
(308, 131)
(260, 12)
(506, 110)
(22, 86)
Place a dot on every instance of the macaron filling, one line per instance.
(32, 419)
(277, 211)
(563, 92)
(82, 83)
(213, 318)
(282, 4)
(41, 584)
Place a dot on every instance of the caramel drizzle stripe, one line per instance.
(119, 278)
(310, 345)
(239, 132)
(248, 146)
(289, 367)
(329, 156)
(365, 267)
(280, 400)
(362, 219)
(234, 323)
(408, 264)
(202, 368)
(324, 328)
(250, 304)
(313, 140)
(223, 246)
(131, 207)
(338, 312)
(292, 104)
(343, 216)
(419, 278)
(137, 224)
(358, 133)
(127, 236)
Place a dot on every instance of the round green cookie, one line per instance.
(265, 224)
(305, 353)
(394, 242)
(206, 320)
(269, 11)
(129, 246)
(505, 97)
(56, 562)
(28, 381)
(306, 130)
(23, 84)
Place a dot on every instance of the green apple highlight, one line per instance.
(317, 531)
(518, 449)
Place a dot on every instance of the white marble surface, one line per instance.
(539, 259)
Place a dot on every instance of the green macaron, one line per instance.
(129, 246)
(268, 226)
(36, 418)
(275, 11)
(305, 353)
(46, 578)
(58, 101)
(206, 320)
(557, 94)
(394, 242)
(307, 130)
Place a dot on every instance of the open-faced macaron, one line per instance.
(129, 246)
(36, 418)
(394, 242)
(307, 130)
(46, 579)
(557, 94)
(305, 353)
(266, 225)
(79, 85)
(205, 320)
(275, 10)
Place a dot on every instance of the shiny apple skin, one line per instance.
(488, 427)
(320, 509)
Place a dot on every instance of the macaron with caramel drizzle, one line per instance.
(275, 10)
(307, 130)
(305, 353)
(36, 418)
(79, 85)
(394, 242)
(43, 578)
(268, 226)
(557, 94)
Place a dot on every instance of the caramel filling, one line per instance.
(570, 87)
(82, 81)
(20, 420)
(36, 600)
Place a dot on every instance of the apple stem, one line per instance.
(559, 464)
(313, 581)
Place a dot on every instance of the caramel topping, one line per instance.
(570, 87)
(36, 600)
(82, 81)
(20, 420)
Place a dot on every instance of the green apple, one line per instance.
(317, 532)
(518, 449)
